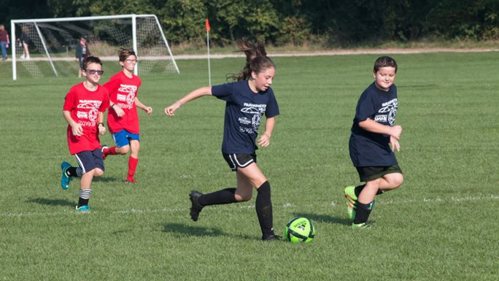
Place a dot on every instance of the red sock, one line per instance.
(109, 151)
(132, 166)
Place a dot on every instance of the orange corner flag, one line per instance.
(207, 25)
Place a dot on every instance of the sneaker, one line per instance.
(351, 201)
(104, 147)
(195, 206)
(363, 225)
(271, 237)
(83, 209)
(65, 179)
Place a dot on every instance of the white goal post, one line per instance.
(47, 46)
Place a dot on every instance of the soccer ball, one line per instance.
(300, 230)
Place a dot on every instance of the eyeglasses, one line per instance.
(94, 71)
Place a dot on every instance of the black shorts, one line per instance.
(239, 160)
(89, 160)
(370, 173)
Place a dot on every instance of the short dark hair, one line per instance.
(125, 53)
(384, 61)
(90, 59)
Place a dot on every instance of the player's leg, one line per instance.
(122, 145)
(225, 195)
(91, 164)
(263, 202)
(133, 160)
(391, 181)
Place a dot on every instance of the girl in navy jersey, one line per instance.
(247, 100)
(373, 140)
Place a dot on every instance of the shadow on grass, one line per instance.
(182, 230)
(325, 218)
(51, 202)
(108, 179)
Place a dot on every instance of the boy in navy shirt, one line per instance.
(247, 100)
(373, 140)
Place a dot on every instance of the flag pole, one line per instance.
(208, 27)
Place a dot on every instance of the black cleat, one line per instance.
(271, 237)
(195, 206)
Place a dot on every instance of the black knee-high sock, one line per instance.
(362, 212)
(71, 172)
(264, 209)
(223, 196)
(358, 189)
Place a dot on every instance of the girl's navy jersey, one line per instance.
(243, 112)
(367, 148)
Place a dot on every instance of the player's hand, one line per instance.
(119, 111)
(396, 131)
(148, 110)
(394, 144)
(102, 130)
(264, 140)
(77, 129)
(170, 110)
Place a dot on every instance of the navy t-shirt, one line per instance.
(243, 112)
(373, 149)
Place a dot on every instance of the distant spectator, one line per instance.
(25, 41)
(82, 52)
(4, 41)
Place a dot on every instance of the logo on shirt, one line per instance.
(87, 112)
(387, 112)
(257, 111)
(127, 95)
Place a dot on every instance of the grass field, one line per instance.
(442, 224)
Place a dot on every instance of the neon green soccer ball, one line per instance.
(300, 230)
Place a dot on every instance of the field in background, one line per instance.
(441, 225)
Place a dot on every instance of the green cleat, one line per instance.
(363, 225)
(65, 179)
(83, 209)
(351, 201)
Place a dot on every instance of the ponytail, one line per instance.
(256, 60)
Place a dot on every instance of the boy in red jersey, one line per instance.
(83, 109)
(123, 120)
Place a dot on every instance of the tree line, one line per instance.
(296, 22)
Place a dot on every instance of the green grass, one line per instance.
(442, 224)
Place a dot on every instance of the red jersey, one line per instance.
(84, 106)
(122, 92)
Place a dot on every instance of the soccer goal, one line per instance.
(48, 47)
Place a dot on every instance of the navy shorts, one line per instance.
(370, 173)
(89, 160)
(123, 138)
(239, 160)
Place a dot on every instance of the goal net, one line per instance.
(49, 47)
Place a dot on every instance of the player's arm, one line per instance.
(76, 128)
(140, 105)
(204, 91)
(264, 140)
(375, 127)
(100, 123)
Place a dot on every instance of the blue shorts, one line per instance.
(89, 160)
(123, 138)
